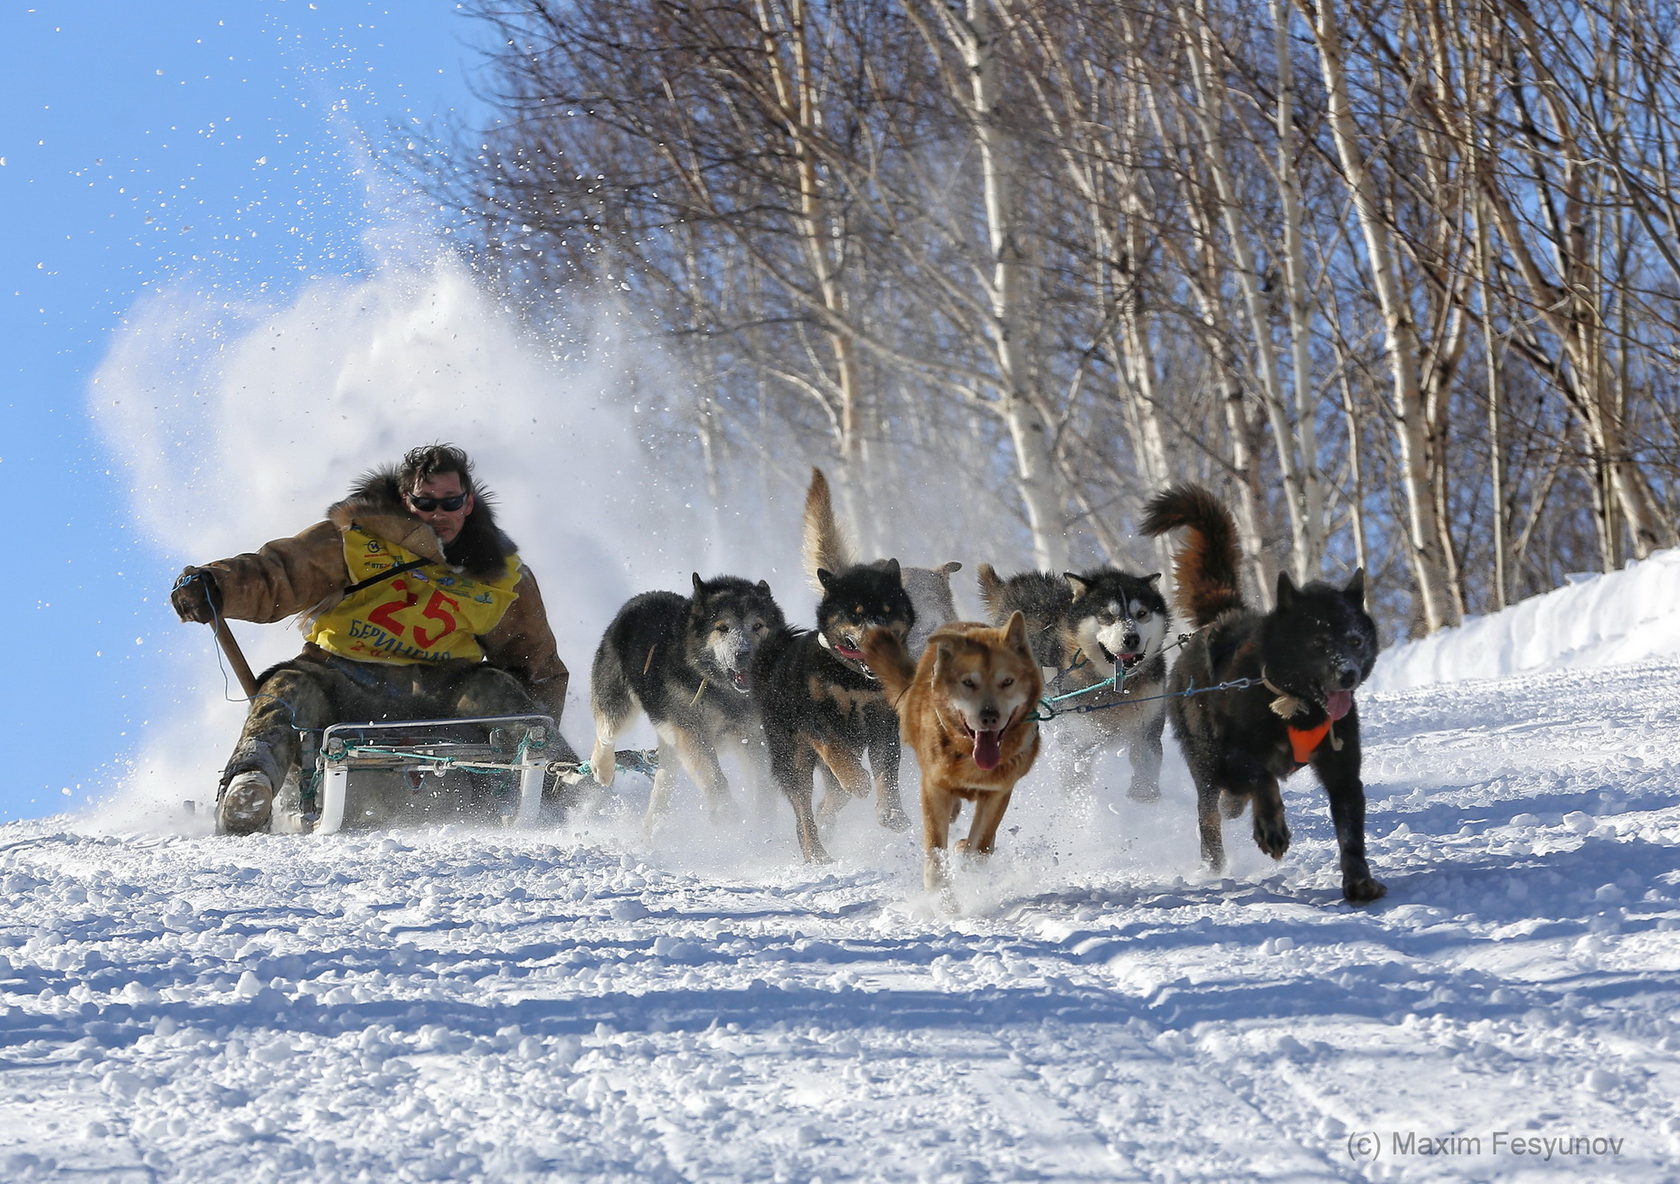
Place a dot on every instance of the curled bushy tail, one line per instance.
(825, 547)
(1206, 565)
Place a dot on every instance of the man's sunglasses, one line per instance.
(427, 504)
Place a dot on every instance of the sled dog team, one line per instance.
(415, 604)
(887, 664)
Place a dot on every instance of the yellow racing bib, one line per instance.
(426, 614)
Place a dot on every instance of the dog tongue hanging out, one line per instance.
(988, 748)
(969, 710)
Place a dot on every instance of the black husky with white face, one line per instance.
(820, 703)
(1306, 658)
(1087, 629)
(728, 619)
(1118, 619)
(687, 663)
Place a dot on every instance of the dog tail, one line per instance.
(889, 661)
(991, 593)
(1206, 565)
(612, 702)
(825, 546)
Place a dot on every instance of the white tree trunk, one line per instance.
(1294, 459)
(1428, 551)
(974, 34)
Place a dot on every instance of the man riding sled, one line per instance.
(415, 605)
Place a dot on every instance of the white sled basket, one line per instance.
(490, 765)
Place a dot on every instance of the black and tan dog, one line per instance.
(1084, 629)
(826, 549)
(820, 703)
(687, 663)
(1309, 655)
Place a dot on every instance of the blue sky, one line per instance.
(145, 146)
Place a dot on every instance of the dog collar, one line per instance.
(1303, 742)
(1285, 705)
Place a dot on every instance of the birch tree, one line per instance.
(1567, 254)
(1398, 276)
(967, 42)
(1408, 353)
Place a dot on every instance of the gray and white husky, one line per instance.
(1085, 627)
(686, 662)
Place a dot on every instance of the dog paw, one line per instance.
(723, 811)
(893, 817)
(972, 856)
(1144, 792)
(969, 848)
(1362, 889)
(1273, 839)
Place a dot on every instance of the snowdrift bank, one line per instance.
(1596, 621)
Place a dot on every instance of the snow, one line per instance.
(1594, 620)
(582, 1003)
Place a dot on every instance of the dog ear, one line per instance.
(1152, 577)
(699, 584)
(1015, 633)
(890, 566)
(946, 569)
(764, 586)
(1285, 592)
(1355, 590)
(1078, 583)
(824, 577)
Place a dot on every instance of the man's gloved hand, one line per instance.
(195, 592)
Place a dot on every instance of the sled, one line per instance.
(485, 768)
(367, 774)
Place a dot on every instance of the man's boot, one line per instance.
(246, 804)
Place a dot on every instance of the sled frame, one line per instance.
(517, 744)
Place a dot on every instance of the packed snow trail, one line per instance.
(576, 1004)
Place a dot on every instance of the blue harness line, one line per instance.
(1048, 706)
(1113, 684)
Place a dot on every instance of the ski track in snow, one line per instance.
(578, 1004)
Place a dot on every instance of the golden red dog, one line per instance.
(968, 711)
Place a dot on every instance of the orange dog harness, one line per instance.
(1305, 741)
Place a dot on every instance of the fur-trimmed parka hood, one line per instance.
(376, 505)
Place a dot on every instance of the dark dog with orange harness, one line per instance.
(1302, 661)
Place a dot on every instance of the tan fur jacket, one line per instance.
(306, 574)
